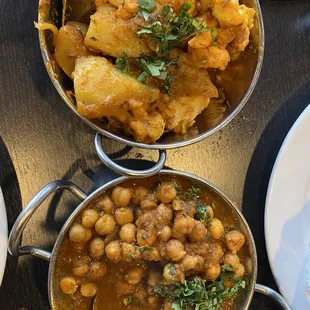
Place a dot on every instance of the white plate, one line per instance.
(3, 236)
(287, 215)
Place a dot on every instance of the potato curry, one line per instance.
(144, 66)
(167, 246)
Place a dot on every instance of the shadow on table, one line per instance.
(96, 177)
(14, 277)
(257, 180)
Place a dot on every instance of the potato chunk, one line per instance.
(69, 45)
(180, 114)
(102, 90)
(113, 35)
(228, 13)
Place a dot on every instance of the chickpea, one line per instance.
(230, 282)
(200, 263)
(96, 247)
(106, 204)
(89, 218)
(123, 216)
(113, 251)
(128, 232)
(140, 294)
(77, 233)
(234, 240)
(97, 270)
(88, 289)
(146, 220)
(216, 228)
(239, 273)
(68, 285)
(231, 260)
(165, 234)
(81, 266)
(173, 273)
(129, 252)
(178, 205)
(164, 214)
(188, 262)
(88, 235)
(139, 193)
(151, 254)
(217, 253)
(154, 278)
(145, 237)
(80, 271)
(131, 6)
(166, 193)
(121, 196)
(175, 250)
(148, 202)
(105, 224)
(199, 232)
(190, 208)
(177, 235)
(154, 300)
(210, 214)
(124, 288)
(213, 272)
(134, 275)
(183, 224)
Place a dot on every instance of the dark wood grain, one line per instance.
(41, 140)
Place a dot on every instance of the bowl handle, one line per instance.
(125, 171)
(14, 246)
(273, 294)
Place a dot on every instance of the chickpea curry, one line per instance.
(148, 67)
(153, 244)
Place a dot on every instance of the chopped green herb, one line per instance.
(191, 192)
(168, 29)
(208, 235)
(201, 212)
(199, 293)
(154, 67)
(145, 248)
(227, 268)
(127, 300)
(145, 235)
(157, 68)
(146, 7)
(171, 269)
(122, 63)
(214, 33)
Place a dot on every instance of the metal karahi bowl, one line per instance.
(239, 78)
(57, 298)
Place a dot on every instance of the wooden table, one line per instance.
(41, 140)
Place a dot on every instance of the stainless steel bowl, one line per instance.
(57, 298)
(249, 66)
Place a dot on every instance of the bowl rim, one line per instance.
(173, 173)
(157, 146)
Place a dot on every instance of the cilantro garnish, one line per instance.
(202, 213)
(198, 294)
(191, 192)
(166, 30)
(122, 63)
(145, 7)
